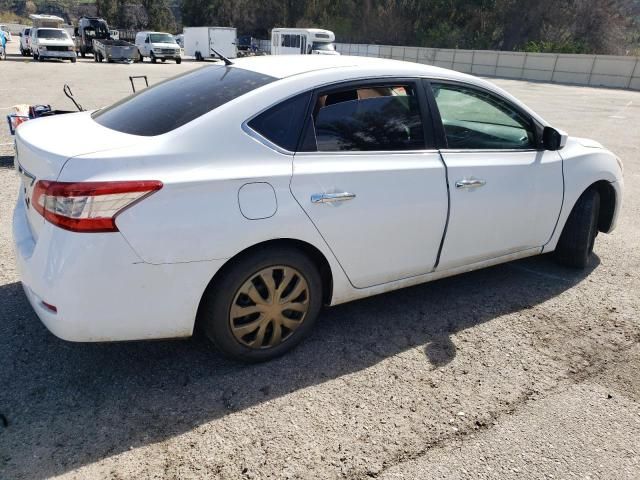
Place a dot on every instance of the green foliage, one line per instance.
(576, 26)
(555, 47)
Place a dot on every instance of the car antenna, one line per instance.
(226, 61)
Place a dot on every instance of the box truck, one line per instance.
(199, 42)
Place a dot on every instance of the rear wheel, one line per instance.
(575, 247)
(263, 305)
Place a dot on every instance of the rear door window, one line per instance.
(177, 101)
(369, 118)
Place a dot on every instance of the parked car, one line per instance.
(158, 46)
(243, 197)
(48, 43)
(25, 42)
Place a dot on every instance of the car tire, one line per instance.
(199, 57)
(178, 61)
(153, 57)
(225, 295)
(35, 56)
(575, 247)
(73, 60)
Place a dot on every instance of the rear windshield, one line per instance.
(179, 100)
(52, 34)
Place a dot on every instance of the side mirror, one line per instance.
(553, 139)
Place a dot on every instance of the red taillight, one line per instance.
(88, 206)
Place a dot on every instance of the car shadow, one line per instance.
(64, 405)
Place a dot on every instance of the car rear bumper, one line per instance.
(101, 289)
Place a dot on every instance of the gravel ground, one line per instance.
(524, 370)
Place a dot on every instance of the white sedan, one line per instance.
(244, 197)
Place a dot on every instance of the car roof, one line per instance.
(286, 66)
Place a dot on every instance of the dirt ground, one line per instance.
(524, 370)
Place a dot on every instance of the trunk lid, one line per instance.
(43, 146)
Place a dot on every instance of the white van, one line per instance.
(302, 41)
(158, 46)
(199, 42)
(50, 40)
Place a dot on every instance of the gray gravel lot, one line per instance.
(524, 370)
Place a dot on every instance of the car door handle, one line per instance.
(470, 183)
(332, 197)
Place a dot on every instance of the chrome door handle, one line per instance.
(470, 183)
(332, 197)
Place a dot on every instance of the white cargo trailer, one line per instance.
(199, 42)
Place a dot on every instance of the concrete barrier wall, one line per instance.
(589, 70)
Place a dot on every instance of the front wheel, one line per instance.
(263, 305)
(73, 60)
(575, 247)
(178, 60)
(153, 58)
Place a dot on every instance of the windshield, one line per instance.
(329, 47)
(161, 38)
(52, 34)
(177, 101)
(97, 28)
